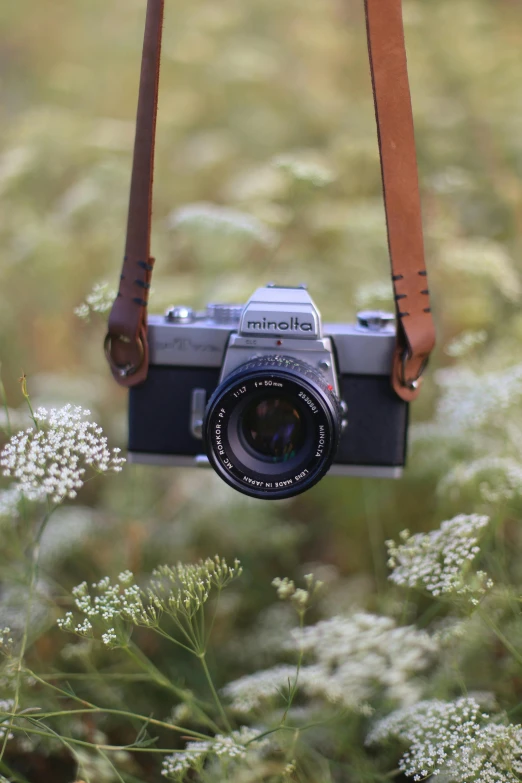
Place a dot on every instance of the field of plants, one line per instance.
(154, 623)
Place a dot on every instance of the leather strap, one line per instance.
(393, 111)
(126, 342)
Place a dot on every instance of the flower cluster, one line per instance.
(471, 400)
(182, 590)
(300, 598)
(179, 591)
(249, 693)
(305, 170)
(48, 460)
(498, 478)
(465, 342)
(455, 740)
(109, 602)
(98, 301)
(217, 221)
(355, 659)
(231, 747)
(439, 561)
(10, 499)
(6, 639)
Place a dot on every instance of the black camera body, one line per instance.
(268, 397)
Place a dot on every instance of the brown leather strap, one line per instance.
(415, 328)
(126, 342)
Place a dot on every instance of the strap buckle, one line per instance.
(411, 383)
(123, 370)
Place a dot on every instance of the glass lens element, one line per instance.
(273, 428)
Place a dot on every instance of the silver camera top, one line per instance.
(274, 320)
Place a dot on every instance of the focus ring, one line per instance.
(264, 378)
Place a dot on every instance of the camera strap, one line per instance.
(126, 344)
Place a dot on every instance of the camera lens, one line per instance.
(272, 427)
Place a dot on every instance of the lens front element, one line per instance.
(272, 427)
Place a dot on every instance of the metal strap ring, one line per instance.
(123, 370)
(411, 383)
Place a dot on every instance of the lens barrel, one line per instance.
(272, 427)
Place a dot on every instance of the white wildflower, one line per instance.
(354, 659)
(304, 168)
(84, 628)
(176, 590)
(360, 656)
(10, 499)
(250, 692)
(377, 294)
(109, 637)
(465, 342)
(486, 259)
(455, 740)
(285, 587)
(193, 757)
(6, 640)
(498, 478)
(66, 623)
(300, 598)
(100, 300)
(439, 561)
(473, 399)
(183, 589)
(50, 461)
(230, 747)
(218, 221)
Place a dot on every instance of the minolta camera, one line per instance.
(268, 396)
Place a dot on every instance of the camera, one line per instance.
(268, 396)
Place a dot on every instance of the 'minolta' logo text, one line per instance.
(293, 325)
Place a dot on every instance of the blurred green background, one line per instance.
(265, 108)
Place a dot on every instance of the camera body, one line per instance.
(275, 352)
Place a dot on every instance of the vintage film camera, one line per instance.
(267, 396)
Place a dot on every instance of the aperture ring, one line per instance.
(270, 378)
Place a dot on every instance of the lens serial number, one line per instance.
(313, 407)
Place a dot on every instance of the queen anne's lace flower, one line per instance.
(439, 561)
(232, 747)
(10, 501)
(305, 170)
(50, 460)
(217, 221)
(98, 301)
(178, 591)
(354, 659)
(455, 740)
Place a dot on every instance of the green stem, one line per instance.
(166, 635)
(215, 695)
(146, 664)
(124, 713)
(500, 636)
(17, 777)
(84, 744)
(293, 689)
(3, 397)
(23, 646)
(113, 711)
